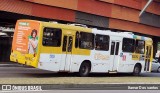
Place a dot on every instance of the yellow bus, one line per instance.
(70, 48)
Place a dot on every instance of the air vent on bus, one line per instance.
(131, 33)
(81, 25)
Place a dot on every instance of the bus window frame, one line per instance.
(123, 45)
(60, 38)
(93, 41)
(77, 39)
(108, 42)
(137, 46)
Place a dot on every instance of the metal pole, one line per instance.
(148, 3)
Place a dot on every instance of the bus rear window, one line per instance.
(52, 37)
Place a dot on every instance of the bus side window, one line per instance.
(52, 37)
(77, 39)
(102, 42)
(86, 40)
(140, 46)
(128, 45)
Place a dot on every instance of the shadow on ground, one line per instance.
(65, 74)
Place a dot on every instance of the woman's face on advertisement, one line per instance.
(34, 34)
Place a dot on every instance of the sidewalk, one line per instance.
(10, 64)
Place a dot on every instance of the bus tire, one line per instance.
(158, 70)
(137, 70)
(84, 69)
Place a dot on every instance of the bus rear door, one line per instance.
(66, 52)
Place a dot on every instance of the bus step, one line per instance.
(112, 71)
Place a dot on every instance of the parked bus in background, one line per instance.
(68, 48)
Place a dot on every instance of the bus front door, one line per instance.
(148, 58)
(114, 55)
(67, 53)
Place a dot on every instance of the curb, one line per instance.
(10, 65)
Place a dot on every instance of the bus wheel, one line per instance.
(137, 70)
(84, 69)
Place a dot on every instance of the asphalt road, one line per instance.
(8, 72)
(25, 75)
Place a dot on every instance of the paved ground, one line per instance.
(25, 75)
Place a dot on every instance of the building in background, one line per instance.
(117, 15)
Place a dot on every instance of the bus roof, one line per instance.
(94, 30)
(66, 26)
